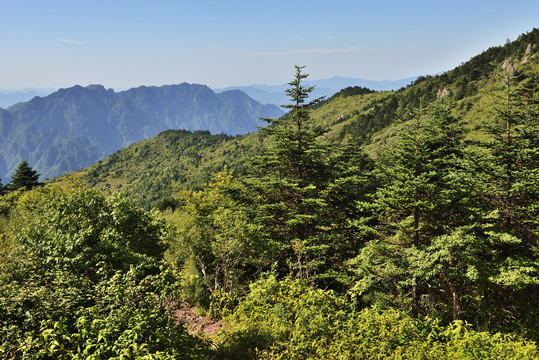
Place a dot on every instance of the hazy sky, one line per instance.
(128, 43)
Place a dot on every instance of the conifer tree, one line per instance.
(419, 199)
(509, 171)
(506, 189)
(301, 190)
(24, 177)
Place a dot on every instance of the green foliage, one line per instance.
(469, 86)
(91, 233)
(354, 90)
(78, 253)
(149, 171)
(213, 242)
(167, 203)
(445, 228)
(290, 320)
(512, 159)
(129, 322)
(457, 234)
(7, 204)
(506, 188)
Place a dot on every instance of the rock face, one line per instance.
(73, 128)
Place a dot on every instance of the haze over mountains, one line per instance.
(274, 94)
(8, 97)
(73, 128)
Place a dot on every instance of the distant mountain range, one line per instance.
(73, 128)
(274, 94)
(264, 94)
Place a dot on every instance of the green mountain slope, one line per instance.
(155, 168)
(473, 87)
(147, 170)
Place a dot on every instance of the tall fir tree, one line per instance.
(506, 189)
(419, 199)
(24, 177)
(302, 191)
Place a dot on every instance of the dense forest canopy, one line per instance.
(368, 225)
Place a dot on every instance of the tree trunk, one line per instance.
(457, 306)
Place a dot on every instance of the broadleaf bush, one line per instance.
(289, 319)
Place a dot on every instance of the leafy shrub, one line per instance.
(91, 232)
(81, 277)
(128, 323)
(291, 320)
(212, 242)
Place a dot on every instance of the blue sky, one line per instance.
(122, 44)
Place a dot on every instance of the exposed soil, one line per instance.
(187, 314)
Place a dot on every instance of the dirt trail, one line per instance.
(195, 323)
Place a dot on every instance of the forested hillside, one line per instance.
(370, 225)
(151, 171)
